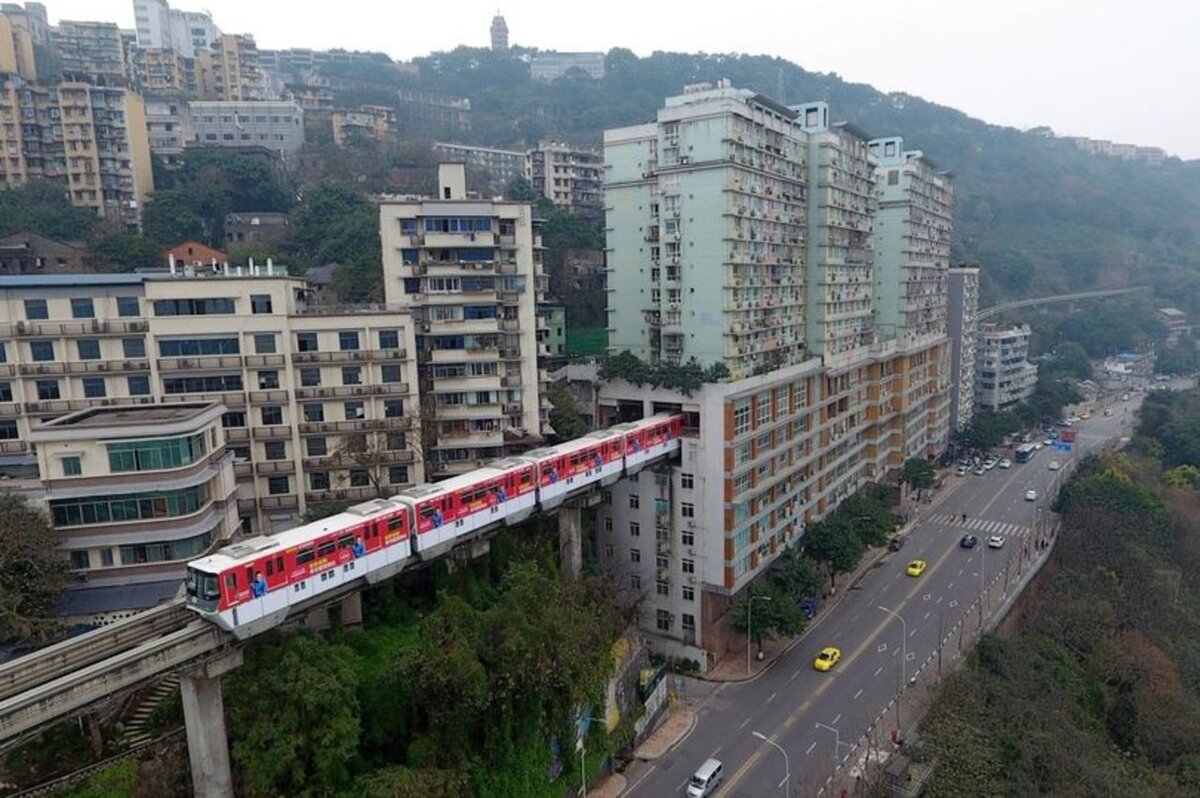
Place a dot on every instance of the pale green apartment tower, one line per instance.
(705, 222)
(912, 243)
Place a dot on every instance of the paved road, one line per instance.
(878, 650)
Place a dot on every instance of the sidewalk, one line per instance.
(679, 723)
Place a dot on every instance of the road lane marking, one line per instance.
(811, 747)
(882, 647)
(959, 573)
(856, 695)
(951, 585)
(835, 720)
(879, 670)
(715, 750)
(772, 697)
(747, 720)
(643, 778)
(913, 633)
(795, 674)
(926, 618)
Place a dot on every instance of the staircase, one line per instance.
(135, 727)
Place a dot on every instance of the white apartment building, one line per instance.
(319, 400)
(277, 125)
(1003, 375)
(134, 491)
(189, 33)
(470, 273)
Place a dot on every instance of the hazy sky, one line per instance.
(1125, 70)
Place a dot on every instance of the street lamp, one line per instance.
(582, 750)
(837, 741)
(749, 619)
(903, 641)
(787, 769)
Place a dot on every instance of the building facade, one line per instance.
(368, 122)
(742, 232)
(1177, 323)
(17, 40)
(433, 112)
(1004, 377)
(236, 76)
(189, 33)
(488, 167)
(92, 138)
(169, 129)
(319, 400)
(27, 252)
(552, 66)
(470, 272)
(256, 228)
(962, 326)
(571, 177)
(134, 492)
(91, 52)
(277, 125)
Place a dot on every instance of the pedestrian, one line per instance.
(258, 588)
(359, 550)
(964, 518)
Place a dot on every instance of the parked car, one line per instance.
(961, 471)
(980, 471)
(1006, 463)
(896, 543)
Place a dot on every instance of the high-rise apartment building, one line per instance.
(319, 401)
(16, 42)
(499, 31)
(163, 72)
(962, 323)
(91, 52)
(235, 72)
(494, 169)
(571, 177)
(93, 138)
(30, 17)
(134, 491)
(912, 242)
(366, 123)
(767, 215)
(470, 272)
(189, 33)
(1004, 377)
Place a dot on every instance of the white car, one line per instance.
(995, 542)
(961, 471)
(1054, 466)
(1048, 442)
(1031, 495)
(1037, 446)
(989, 464)
(1006, 463)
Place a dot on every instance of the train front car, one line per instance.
(649, 438)
(572, 466)
(448, 512)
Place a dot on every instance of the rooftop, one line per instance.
(129, 415)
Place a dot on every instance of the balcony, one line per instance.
(30, 369)
(268, 397)
(253, 361)
(271, 433)
(476, 355)
(271, 467)
(198, 363)
(338, 356)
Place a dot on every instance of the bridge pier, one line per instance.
(204, 718)
(351, 612)
(570, 541)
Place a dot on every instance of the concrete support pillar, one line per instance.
(570, 541)
(317, 618)
(204, 718)
(351, 611)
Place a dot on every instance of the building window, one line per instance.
(390, 372)
(608, 523)
(128, 306)
(6, 392)
(359, 478)
(184, 549)
(314, 413)
(348, 340)
(41, 351)
(89, 348)
(316, 446)
(214, 306)
(351, 375)
(71, 466)
(277, 486)
(8, 429)
(662, 588)
(260, 303)
(306, 342)
(395, 441)
(93, 387)
(688, 566)
(687, 510)
(310, 378)
(354, 411)
(662, 620)
(3, 352)
(689, 594)
(689, 621)
(233, 419)
(635, 529)
(389, 339)
(635, 555)
(264, 343)
(764, 409)
(398, 475)
(36, 309)
(47, 389)
(83, 308)
(156, 453)
(635, 580)
(272, 414)
(634, 501)
(187, 347)
(127, 507)
(81, 560)
(133, 347)
(687, 481)
(318, 480)
(268, 380)
(393, 408)
(139, 384)
(274, 450)
(106, 558)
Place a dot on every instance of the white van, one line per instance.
(706, 779)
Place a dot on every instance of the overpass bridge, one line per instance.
(108, 663)
(996, 310)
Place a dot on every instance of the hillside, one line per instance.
(1040, 216)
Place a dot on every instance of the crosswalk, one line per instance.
(980, 525)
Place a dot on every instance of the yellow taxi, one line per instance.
(916, 568)
(828, 657)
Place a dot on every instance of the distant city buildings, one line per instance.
(276, 125)
(494, 168)
(188, 33)
(1126, 152)
(431, 111)
(27, 252)
(1004, 377)
(552, 66)
(367, 123)
(1177, 323)
(266, 229)
(571, 177)
(91, 52)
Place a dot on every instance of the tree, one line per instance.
(519, 190)
(368, 452)
(124, 252)
(769, 610)
(32, 570)
(566, 419)
(171, 216)
(335, 223)
(834, 542)
(919, 473)
(294, 717)
(43, 207)
(797, 577)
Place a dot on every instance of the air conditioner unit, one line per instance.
(691, 551)
(691, 579)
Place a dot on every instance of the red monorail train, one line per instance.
(251, 586)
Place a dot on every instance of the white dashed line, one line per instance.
(856, 695)
(879, 670)
(835, 720)
(811, 747)
(747, 720)
(772, 697)
(794, 675)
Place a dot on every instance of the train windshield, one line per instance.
(202, 585)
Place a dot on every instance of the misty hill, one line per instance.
(1037, 214)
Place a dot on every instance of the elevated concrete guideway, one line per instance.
(996, 310)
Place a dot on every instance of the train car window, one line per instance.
(249, 574)
(346, 541)
(270, 567)
(326, 548)
(396, 522)
(279, 564)
(304, 555)
(231, 582)
(526, 477)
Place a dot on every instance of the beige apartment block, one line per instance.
(320, 401)
(470, 272)
(236, 75)
(134, 492)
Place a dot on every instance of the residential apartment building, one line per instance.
(30, 17)
(91, 52)
(433, 112)
(767, 212)
(470, 272)
(93, 138)
(16, 42)
(490, 168)
(163, 72)
(552, 66)
(569, 176)
(256, 228)
(276, 125)
(27, 252)
(1004, 377)
(912, 241)
(368, 123)
(236, 76)
(168, 128)
(319, 400)
(134, 491)
(962, 326)
(1177, 323)
(189, 33)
